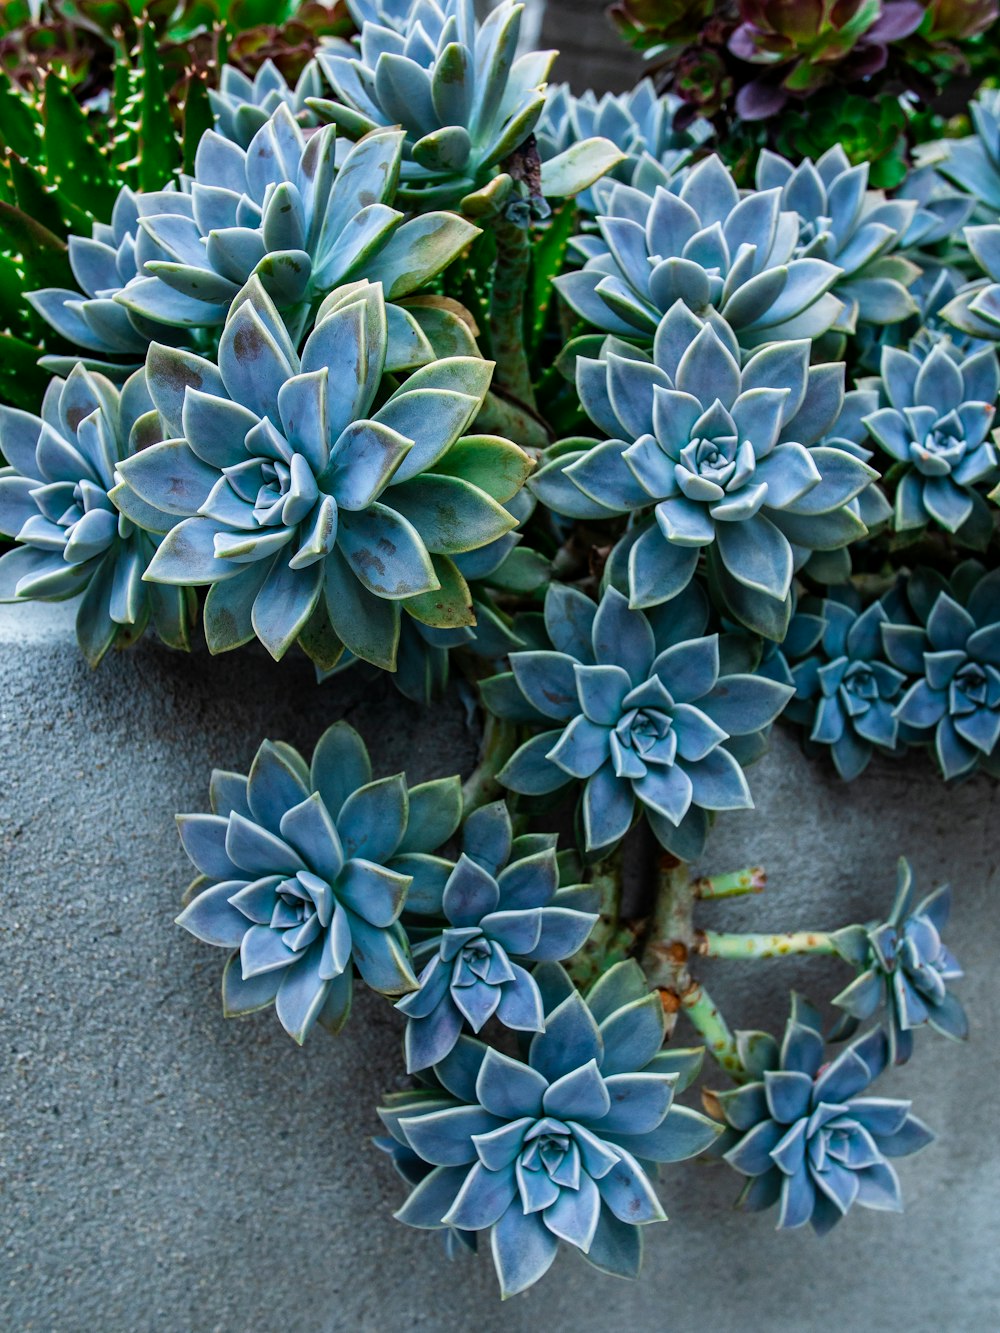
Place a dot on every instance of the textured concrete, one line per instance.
(164, 1170)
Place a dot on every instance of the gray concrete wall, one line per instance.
(163, 1169)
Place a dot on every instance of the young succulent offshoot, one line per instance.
(904, 969)
(806, 1133)
(504, 910)
(310, 514)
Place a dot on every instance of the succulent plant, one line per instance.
(303, 873)
(904, 966)
(297, 212)
(639, 714)
(504, 908)
(699, 242)
(973, 163)
(313, 516)
(562, 1146)
(72, 541)
(845, 224)
(103, 264)
(806, 1135)
(640, 122)
(464, 99)
(936, 430)
(954, 653)
(804, 45)
(846, 692)
(414, 1170)
(975, 308)
(719, 452)
(242, 106)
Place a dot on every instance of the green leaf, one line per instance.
(495, 465)
(578, 167)
(548, 257)
(22, 381)
(523, 571)
(38, 252)
(158, 149)
(447, 607)
(19, 124)
(74, 160)
(49, 207)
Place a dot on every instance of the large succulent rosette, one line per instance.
(309, 513)
(640, 717)
(560, 1146)
(718, 452)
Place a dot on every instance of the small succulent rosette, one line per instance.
(806, 1134)
(640, 717)
(903, 970)
(936, 431)
(640, 122)
(71, 540)
(953, 658)
(561, 1145)
(846, 691)
(714, 459)
(304, 870)
(462, 95)
(241, 106)
(311, 514)
(702, 243)
(504, 910)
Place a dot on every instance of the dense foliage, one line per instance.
(653, 418)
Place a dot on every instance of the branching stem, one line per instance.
(510, 284)
(498, 744)
(721, 944)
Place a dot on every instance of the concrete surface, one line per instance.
(165, 1170)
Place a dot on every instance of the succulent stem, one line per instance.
(671, 938)
(734, 885)
(719, 1040)
(722, 944)
(611, 940)
(497, 745)
(500, 415)
(510, 284)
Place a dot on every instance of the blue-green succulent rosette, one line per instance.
(71, 539)
(806, 1134)
(640, 122)
(851, 227)
(304, 872)
(904, 968)
(562, 1145)
(504, 910)
(936, 431)
(846, 690)
(310, 513)
(640, 717)
(712, 459)
(241, 105)
(701, 242)
(953, 659)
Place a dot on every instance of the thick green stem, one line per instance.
(510, 284)
(722, 944)
(719, 1040)
(498, 744)
(670, 939)
(734, 885)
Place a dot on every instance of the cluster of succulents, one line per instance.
(640, 428)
